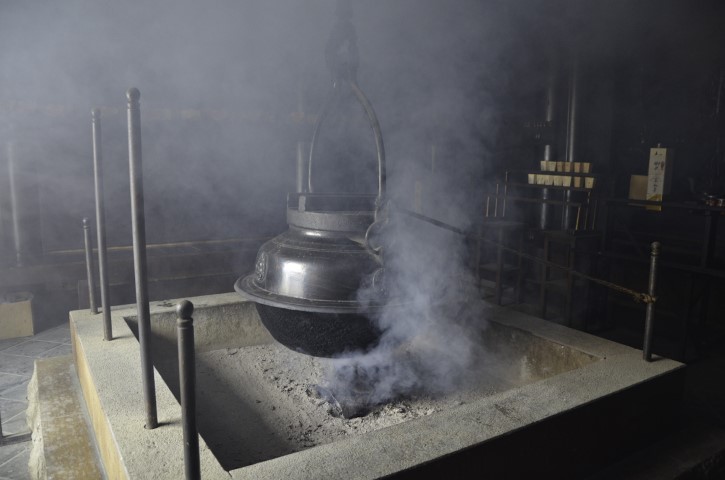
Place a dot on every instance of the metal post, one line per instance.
(101, 224)
(90, 268)
(15, 208)
(649, 315)
(572, 124)
(139, 254)
(303, 149)
(495, 201)
(550, 109)
(24, 205)
(187, 388)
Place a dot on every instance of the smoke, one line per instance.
(432, 324)
(221, 85)
(459, 74)
(438, 135)
(227, 90)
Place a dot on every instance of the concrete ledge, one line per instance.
(63, 446)
(559, 424)
(110, 379)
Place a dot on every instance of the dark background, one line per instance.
(229, 88)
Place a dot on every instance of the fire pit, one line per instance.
(564, 400)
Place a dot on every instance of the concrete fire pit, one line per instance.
(555, 401)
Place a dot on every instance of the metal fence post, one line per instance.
(187, 388)
(649, 315)
(90, 267)
(101, 224)
(139, 255)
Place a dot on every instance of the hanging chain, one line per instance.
(342, 58)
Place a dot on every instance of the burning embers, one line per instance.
(345, 404)
(352, 391)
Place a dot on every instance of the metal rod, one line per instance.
(718, 100)
(572, 124)
(587, 205)
(550, 109)
(187, 388)
(649, 315)
(101, 224)
(15, 205)
(332, 101)
(545, 212)
(495, 203)
(24, 205)
(572, 110)
(341, 56)
(139, 254)
(90, 267)
(536, 200)
(434, 222)
(157, 246)
(377, 134)
(505, 192)
(302, 157)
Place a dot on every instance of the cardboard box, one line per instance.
(16, 315)
(659, 175)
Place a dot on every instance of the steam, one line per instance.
(438, 135)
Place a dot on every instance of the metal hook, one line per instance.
(342, 58)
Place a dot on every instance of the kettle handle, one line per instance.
(341, 56)
(374, 125)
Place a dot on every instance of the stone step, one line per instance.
(63, 445)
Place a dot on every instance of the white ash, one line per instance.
(269, 388)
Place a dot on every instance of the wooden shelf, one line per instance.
(554, 187)
(579, 202)
(542, 172)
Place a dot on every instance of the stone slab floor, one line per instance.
(17, 357)
(704, 412)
